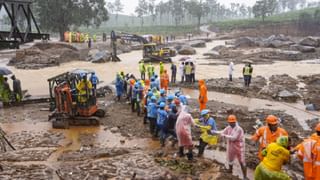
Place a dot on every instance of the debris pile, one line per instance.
(43, 55)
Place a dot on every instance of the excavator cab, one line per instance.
(150, 50)
(69, 105)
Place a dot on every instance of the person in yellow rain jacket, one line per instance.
(161, 68)
(276, 155)
(206, 123)
(84, 88)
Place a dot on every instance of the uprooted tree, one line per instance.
(62, 15)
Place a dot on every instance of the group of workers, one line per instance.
(6, 94)
(247, 71)
(187, 72)
(168, 114)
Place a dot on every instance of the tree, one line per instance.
(264, 8)
(161, 10)
(177, 10)
(142, 10)
(118, 7)
(152, 10)
(292, 5)
(61, 15)
(197, 9)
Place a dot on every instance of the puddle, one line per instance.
(296, 110)
(221, 157)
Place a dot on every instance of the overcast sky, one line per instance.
(130, 5)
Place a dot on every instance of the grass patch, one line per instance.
(253, 22)
(162, 30)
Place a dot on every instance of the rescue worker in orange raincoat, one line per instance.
(268, 134)
(316, 154)
(203, 98)
(305, 154)
(164, 80)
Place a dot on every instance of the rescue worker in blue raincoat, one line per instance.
(183, 99)
(153, 83)
(119, 86)
(136, 98)
(206, 121)
(94, 81)
(162, 97)
(152, 115)
(170, 99)
(162, 117)
(147, 100)
(170, 124)
(157, 80)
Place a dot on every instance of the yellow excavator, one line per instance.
(151, 51)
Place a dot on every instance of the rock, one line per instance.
(212, 54)
(100, 57)
(279, 44)
(92, 52)
(187, 50)
(198, 44)
(245, 42)
(310, 107)
(310, 41)
(219, 48)
(114, 129)
(285, 93)
(303, 49)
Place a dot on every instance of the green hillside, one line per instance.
(253, 22)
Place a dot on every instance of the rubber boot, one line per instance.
(190, 155)
(181, 153)
(162, 142)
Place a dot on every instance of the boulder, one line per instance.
(187, 50)
(287, 95)
(304, 49)
(279, 44)
(219, 48)
(245, 42)
(310, 41)
(92, 52)
(198, 44)
(101, 57)
(212, 54)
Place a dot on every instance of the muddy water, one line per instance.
(221, 158)
(297, 110)
(36, 80)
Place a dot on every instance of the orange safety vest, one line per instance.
(265, 137)
(316, 161)
(305, 154)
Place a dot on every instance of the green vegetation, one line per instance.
(163, 30)
(250, 23)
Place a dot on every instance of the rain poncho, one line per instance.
(183, 129)
(161, 118)
(84, 88)
(119, 85)
(152, 110)
(94, 79)
(235, 143)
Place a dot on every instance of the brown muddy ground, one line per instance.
(259, 88)
(92, 152)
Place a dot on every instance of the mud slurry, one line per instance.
(92, 152)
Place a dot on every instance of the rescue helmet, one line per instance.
(271, 119)
(162, 91)
(204, 112)
(283, 141)
(162, 105)
(232, 118)
(170, 97)
(153, 98)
